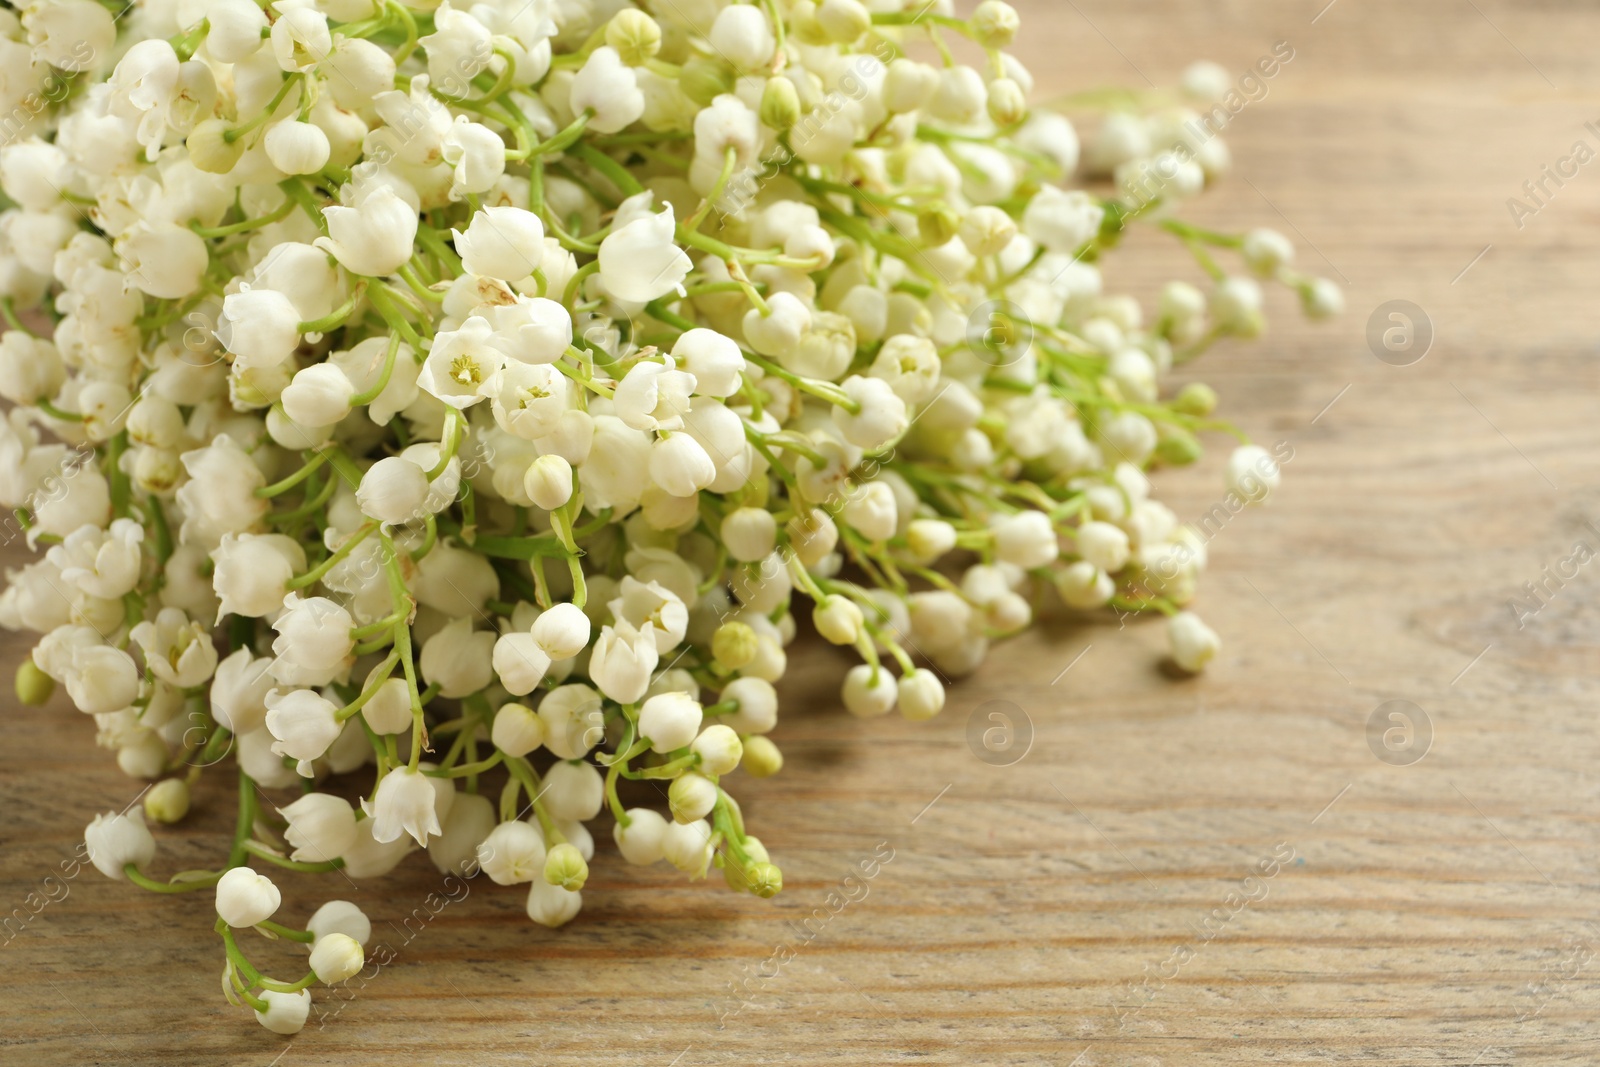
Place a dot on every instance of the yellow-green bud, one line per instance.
(803, 24)
(167, 801)
(704, 79)
(761, 757)
(766, 880)
(938, 226)
(209, 148)
(780, 104)
(995, 24)
(33, 685)
(1196, 398)
(1008, 104)
(734, 645)
(1177, 447)
(564, 866)
(635, 35)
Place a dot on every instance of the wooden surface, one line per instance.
(1056, 910)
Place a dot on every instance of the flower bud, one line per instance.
(995, 24)
(670, 721)
(868, 691)
(642, 839)
(1193, 643)
(392, 490)
(552, 906)
(920, 694)
(297, 147)
(703, 79)
(691, 797)
(635, 35)
(33, 686)
(938, 226)
(286, 1012)
(1196, 398)
(517, 730)
(245, 898)
(336, 958)
(719, 749)
(562, 631)
(565, 867)
(1252, 473)
(780, 104)
(843, 20)
(765, 880)
(761, 757)
(167, 801)
(838, 620)
(116, 841)
(513, 853)
(340, 916)
(209, 148)
(749, 534)
(733, 645)
(1177, 447)
(548, 481)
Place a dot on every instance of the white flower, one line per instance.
(520, 663)
(691, 797)
(457, 659)
(670, 721)
(719, 749)
(70, 35)
(476, 153)
(642, 839)
(375, 236)
(318, 395)
(838, 620)
(286, 1012)
(297, 147)
(321, 827)
(882, 414)
(653, 609)
(654, 396)
(101, 563)
(162, 259)
(777, 333)
(868, 691)
(639, 262)
(30, 368)
(713, 360)
(461, 364)
(622, 662)
(1062, 221)
(114, 841)
(513, 853)
(404, 803)
(502, 242)
(562, 631)
(458, 50)
(1104, 546)
(872, 511)
(303, 723)
(300, 38)
(177, 651)
(680, 465)
(573, 791)
(336, 958)
(742, 35)
(101, 679)
(749, 533)
(1252, 473)
(609, 89)
(239, 692)
(251, 570)
(920, 694)
(1026, 539)
(389, 711)
(531, 330)
(687, 846)
(246, 898)
(551, 905)
(340, 917)
(528, 400)
(455, 850)
(757, 705)
(364, 364)
(548, 482)
(517, 730)
(261, 327)
(313, 641)
(1194, 644)
(393, 490)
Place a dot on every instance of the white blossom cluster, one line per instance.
(464, 392)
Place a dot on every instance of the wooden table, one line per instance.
(1093, 903)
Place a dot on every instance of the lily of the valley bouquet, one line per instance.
(455, 409)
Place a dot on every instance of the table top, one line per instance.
(1258, 865)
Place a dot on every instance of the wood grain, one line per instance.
(1438, 913)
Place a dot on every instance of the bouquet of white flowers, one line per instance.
(463, 394)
